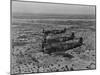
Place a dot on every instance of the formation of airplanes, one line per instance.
(59, 44)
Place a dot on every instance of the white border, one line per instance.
(5, 37)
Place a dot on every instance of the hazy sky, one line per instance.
(33, 7)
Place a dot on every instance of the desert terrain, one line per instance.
(26, 38)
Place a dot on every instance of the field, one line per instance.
(26, 55)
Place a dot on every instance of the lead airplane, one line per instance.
(59, 47)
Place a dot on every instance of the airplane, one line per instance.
(63, 46)
(54, 31)
(59, 39)
(67, 38)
